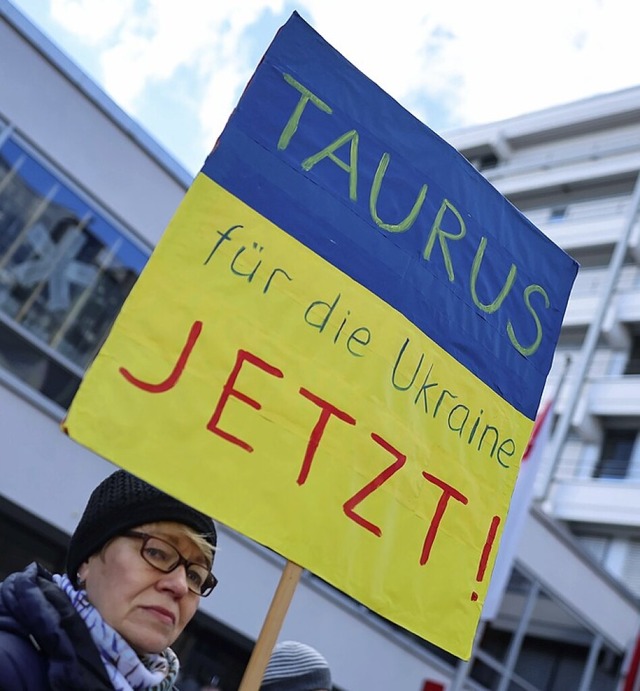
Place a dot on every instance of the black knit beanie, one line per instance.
(121, 502)
(296, 667)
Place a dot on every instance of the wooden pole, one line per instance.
(271, 628)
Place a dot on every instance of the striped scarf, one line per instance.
(127, 670)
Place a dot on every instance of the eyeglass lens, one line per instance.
(165, 557)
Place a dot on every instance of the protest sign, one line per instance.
(339, 345)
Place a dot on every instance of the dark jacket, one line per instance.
(44, 644)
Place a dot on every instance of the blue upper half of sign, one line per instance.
(321, 151)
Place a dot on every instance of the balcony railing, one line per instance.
(614, 396)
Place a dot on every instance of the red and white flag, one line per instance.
(518, 510)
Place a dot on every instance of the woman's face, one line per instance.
(147, 607)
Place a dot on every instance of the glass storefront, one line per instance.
(66, 267)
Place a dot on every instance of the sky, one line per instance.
(178, 67)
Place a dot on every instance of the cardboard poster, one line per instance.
(339, 345)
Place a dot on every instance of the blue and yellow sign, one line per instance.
(339, 345)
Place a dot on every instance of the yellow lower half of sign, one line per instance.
(250, 378)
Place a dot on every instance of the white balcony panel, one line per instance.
(587, 292)
(613, 396)
(629, 306)
(512, 183)
(590, 500)
(566, 116)
(580, 234)
(580, 310)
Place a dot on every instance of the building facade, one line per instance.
(574, 171)
(85, 194)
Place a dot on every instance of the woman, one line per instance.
(137, 565)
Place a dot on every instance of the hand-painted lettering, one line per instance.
(350, 505)
(486, 551)
(351, 167)
(439, 234)
(438, 403)
(475, 270)
(318, 315)
(448, 225)
(422, 391)
(242, 265)
(529, 350)
(293, 122)
(447, 493)
(327, 410)
(228, 391)
(410, 218)
(178, 368)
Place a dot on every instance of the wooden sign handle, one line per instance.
(263, 648)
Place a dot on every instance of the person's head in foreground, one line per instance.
(138, 563)
(296, 666)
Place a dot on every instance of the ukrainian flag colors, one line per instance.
(338, 346)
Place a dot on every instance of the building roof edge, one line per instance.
(70, 70)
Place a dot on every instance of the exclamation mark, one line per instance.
(486, 551)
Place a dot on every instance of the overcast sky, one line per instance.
(178, 66)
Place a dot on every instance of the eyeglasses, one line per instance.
(163, 556)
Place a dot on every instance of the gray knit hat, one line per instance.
(121, 502)
(296, 667)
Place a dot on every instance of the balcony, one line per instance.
(580, 310)
(516, 180)
(614, 396)
(579, 233)
(588, 291)
(598, 500)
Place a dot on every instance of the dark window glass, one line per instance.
(208, 649)
(488, 161)
(608, 670)
(551, 664)
(616, 453)
(65, 270)
(484, 674)
(496, 642)
(633, 363)
(558, 213)
(24, 538)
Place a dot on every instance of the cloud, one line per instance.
(92, 20)
(451, 63)
(144, 44)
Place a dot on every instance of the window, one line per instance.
(537, 644)
(487, 161)
(617, 450)
(558, 213)
(25, 538)
(633, 363)
(598, 546)
(65, 269)
(631, 567)
(208, 649)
